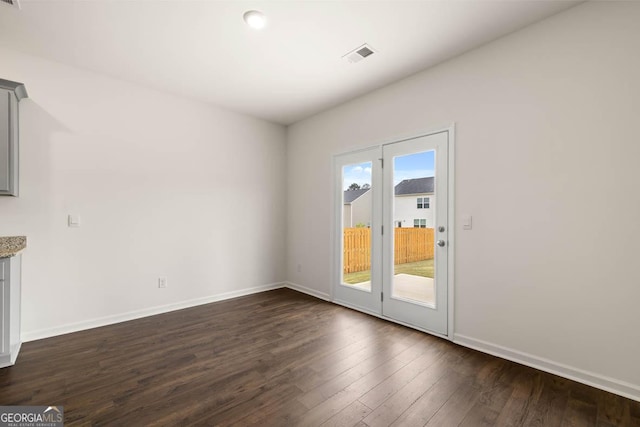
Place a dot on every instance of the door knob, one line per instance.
(440, 243)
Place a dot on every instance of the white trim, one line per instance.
(296, 287)
(393, 139)
(334, 222)
(451, 259)
(631, 391)
(137, 314)
(9, 359)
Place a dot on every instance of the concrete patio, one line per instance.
(408, 287)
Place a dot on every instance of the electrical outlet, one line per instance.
(162, 282)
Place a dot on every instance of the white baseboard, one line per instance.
(602, 382)
(308, 291)
(9, 359)
(123, 317)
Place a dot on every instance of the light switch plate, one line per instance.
(467, 222)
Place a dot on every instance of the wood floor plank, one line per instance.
(282, 414)
(633, 409)
(579, 414)
(611, 410)
(521, 401)
(454, 411)
(550, 408)
(423, 409)
(376, 396)
(399, 402)
(282, 358)
(337, 402)
(349, 416)
(398, 359)
(495, 381)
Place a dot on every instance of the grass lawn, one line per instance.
(420, 268)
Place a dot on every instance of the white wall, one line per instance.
(545, 118)
(346, 216)
(164, 186)
(361, 210)
(405, 209)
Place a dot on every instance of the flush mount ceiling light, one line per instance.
(255, 19)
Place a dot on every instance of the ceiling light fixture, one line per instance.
(255, 19)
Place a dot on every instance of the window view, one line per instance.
(423, 203)
(357, 205)
(413, 203)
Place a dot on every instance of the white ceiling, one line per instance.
(288, 71)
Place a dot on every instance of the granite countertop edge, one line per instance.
(12, 245)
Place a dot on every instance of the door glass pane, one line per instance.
(414, 218)
(357, 206)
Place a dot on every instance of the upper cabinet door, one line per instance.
(10, 94)
(5, 145)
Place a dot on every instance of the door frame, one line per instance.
(335, 220)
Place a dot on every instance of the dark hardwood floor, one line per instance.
(283, 358)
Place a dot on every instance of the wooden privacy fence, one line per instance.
(357, 249)
(410, 245)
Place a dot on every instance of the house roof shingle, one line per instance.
(414, 186)
(405, 187)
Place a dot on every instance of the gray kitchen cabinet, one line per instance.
(10, 272)
(10, 95)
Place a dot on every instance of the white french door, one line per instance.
(357, 269)
(391, 245)
(415, 209)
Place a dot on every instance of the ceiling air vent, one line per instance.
(14, 3)
(359, 53)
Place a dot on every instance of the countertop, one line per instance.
(9, 246)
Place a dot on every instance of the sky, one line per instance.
(360, 174)
(419, 165)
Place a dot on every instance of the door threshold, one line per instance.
(389, 319)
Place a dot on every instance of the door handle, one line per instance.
(441, 243)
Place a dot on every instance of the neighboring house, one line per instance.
(357, 208)
(414, 203)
